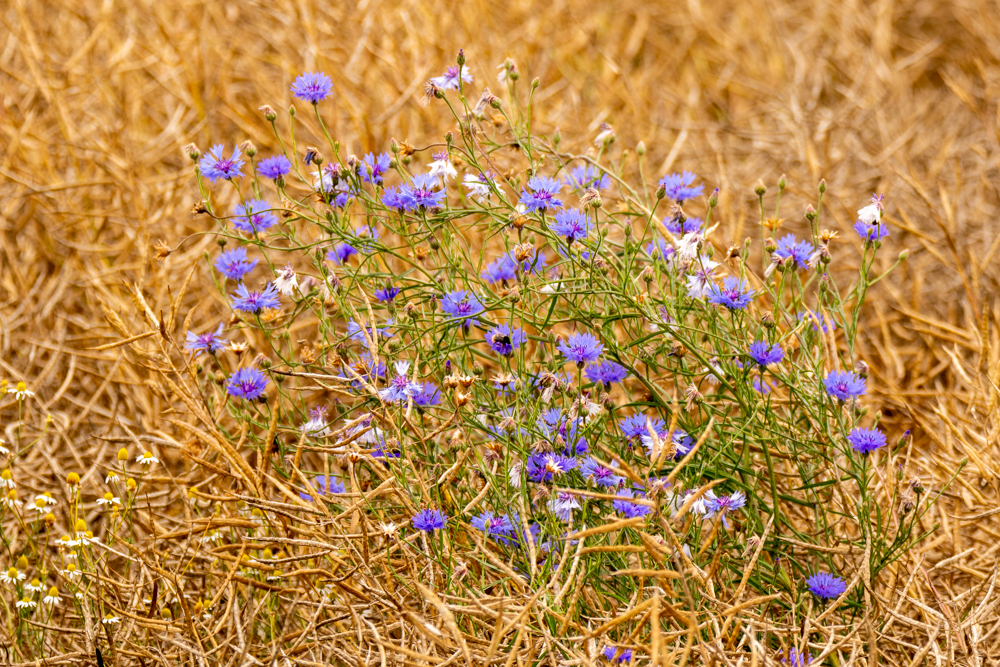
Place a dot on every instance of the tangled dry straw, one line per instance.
(98, 98)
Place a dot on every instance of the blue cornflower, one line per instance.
(764, 355)
(734, 294)
(462, 305)
(543, 467)
(587, 176)
(312, 87)
(356, 332)
(799, 251)
(254, 302)
(723, 504)
(825, 585)
(206, 342)
(679, 188)
(627, 508)
(420, 194)
(429, 520)
(387, 294)
(818, 321)
(681, 440)
(865, 440)
(572, 224)
(247, 383)
(607, 373)
(214, 166)
(503, 340)
(374, 169)
(496, 526)
(762, 386)
(870, 232)
(234, 263)
(581, 348)
(618, 655)
(400, 387)
(675, 226)
(562, 506)
(797, 658)
(635, 426)
(602, 476)
(505, 268)
(274, 167)
(393, 198)
(366, 367)
(366, 237)
(449, 80)
(325, 485)
(340, 253)
(844, 385)
(254, 216)
(543, 194)
(427, 395)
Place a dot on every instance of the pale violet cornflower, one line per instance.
(562, 506)
(442, 167)
(317, 424)
(701, 277)
(400, 388)
(449, 80)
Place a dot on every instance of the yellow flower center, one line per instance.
(12, 573)
(21, 386)
(109, 496)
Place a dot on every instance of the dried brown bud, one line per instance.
(161, 251)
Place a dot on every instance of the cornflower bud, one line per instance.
(249, 148)
(713, 199)
(760, 188)
(822, 185)
(192, 152)
(640, 149)
(461, 57)
(269, 113)
(781, 183)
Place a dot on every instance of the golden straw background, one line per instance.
(99, 96)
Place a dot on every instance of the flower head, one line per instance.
(254, 302)
(53, 596)
(429, 520)
(312, 87)
(627, 508)
(207, 342)
(541, 194)
(400, 388)
(449, 80)
(572, 224)
(274, 167)
(562, 506)
(426, 395)
(421, 195)
(723, 505)
(543, 467)
(214, 165)
(679, 226)
(844, 385)
(247, 383)
(618, 655)
(799, 251)
(442, 167)
(505, 268)
(601, 476)
(825, 585)
(254, 216)
(734, 293)
(234, 264)
(679, 186)
(387, 294)
(582, 348)
(764, 355)
(375, 332)
(587, 176)
(374, 168)
(325, 485)
(797, 658)
(478, 185)
(496, 526)
(607, 373)
(462, 305)
(146, 458)
(504, 341)
(866, 440)
(286, 281)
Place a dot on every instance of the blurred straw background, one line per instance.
(895, 97)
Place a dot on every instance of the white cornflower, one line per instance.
(687, 247)
(514, 474)
(478, 186)
(146, 459)
(286, 282)
(53, 596)
(607, 134)
(870, 215)
(388, 529)
(35, 586)
(442, 167)
(26, 603)
(21, 392)
(699, 279)
(316, 426)
(109, 499)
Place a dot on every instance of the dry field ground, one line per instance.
(903, 98)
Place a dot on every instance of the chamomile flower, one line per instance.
(109, 499)
(39, 505)
(6, 480)
(110, 619)
(70, 571)
(53, 597)
(3, 447)
(34, 585)
(21, 391)
(146, 458)
(112, 477)
(26, 603)
(11, 576)
(10, 500)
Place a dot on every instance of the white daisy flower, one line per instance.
(11, 576)
(109, 499)
(110, 619)
(146, 459)
(112, 477)
(35, 586)
(47, 497)
(6, 480)
(21, 392)
(70, 572)
(69, 542)
(53, 597)
(26, 603)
